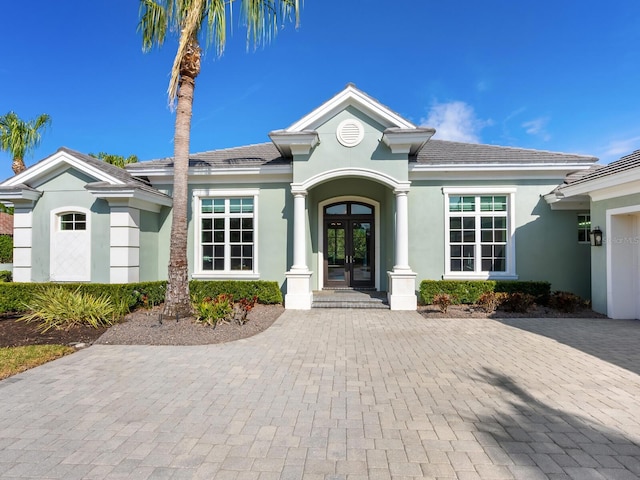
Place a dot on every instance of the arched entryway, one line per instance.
(349, 245)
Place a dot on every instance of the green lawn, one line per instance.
(18, 359)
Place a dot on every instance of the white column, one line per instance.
(299, 295)
(124, 244)
(402, 281)
(22, 243)
(299, 229)
(402, 231)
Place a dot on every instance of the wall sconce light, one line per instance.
(596, 237)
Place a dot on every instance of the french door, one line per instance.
(349, 253)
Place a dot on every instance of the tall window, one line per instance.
(584, 228)
(478, 238)
(227, 234)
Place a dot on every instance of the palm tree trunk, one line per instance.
(177, 300)
(18, 165)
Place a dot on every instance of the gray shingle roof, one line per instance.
(627, 162)
(247, 156)
(436, 152)
(112, 170)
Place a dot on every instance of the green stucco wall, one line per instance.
(545, 241)
(67, 190)
(371, 153)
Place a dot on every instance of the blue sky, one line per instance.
(551, 75)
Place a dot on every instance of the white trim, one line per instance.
(609, 243)
(198, 272)
(54, 163)
(280, 173)
(493, 171)
(376, 219)
(22, 260)
(345, 137)
(616, 191)
(604, 183)
(350, 172)
(54, 230)
(510, 256)
(350, 96)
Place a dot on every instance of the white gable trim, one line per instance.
(55, 163)
(610, 186)
(350, 96)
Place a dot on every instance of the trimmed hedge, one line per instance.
(6, 249)
(267, 292)
(468, 291)
(15, 296)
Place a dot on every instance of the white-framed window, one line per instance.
(226, 233)
(72, 221)
(479, 232)
(584, 228)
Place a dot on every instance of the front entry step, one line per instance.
(349, 298)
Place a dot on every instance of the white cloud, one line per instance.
(538, 127)
(619, 148)
(455, 121)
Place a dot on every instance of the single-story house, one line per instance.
(613, 192)
(351, 195)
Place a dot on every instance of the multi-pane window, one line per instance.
(584, 227)
(227, 234)
(478, 233)
(73, 221)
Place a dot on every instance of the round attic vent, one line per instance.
(350, 132)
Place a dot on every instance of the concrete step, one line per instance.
(349, 299)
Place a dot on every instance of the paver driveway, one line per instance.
(332, 394)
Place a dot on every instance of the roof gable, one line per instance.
(63, 159)
(350, 96)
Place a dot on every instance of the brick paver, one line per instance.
(339, 394)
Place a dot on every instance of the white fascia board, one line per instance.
(578, 202)
(354, 97)
(57, 162)
(21, 195)
(607, 185)
(487, 171)
(134, 197)
(164, 175)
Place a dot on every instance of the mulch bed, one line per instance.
(140, 328)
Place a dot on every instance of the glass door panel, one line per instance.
(336, 253)
(361, 268)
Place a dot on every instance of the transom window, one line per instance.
(584, 228)
(73, 221)
(348, 208)
(227, 234)
(478, 235)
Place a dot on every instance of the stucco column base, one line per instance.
(402, 290)
(299, 295)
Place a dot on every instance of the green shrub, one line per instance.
(6, 276)
(58, 308)
(6, 249)
(469, 291)
(14, 296)
(213, 310)
(566, 301)
(518, 302)
(266, 292)
(539, 290)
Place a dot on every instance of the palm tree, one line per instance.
(19, 137)
(189, 20)
(117, 160)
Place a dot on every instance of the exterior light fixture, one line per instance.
(596, 237)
